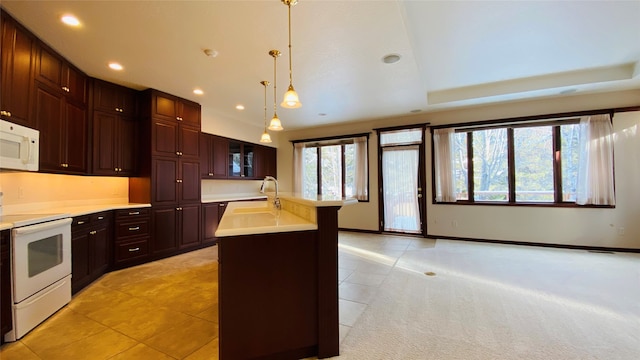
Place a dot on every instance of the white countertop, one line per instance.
(317, 201)
(8, 221)
(232, 197)
(259, 217)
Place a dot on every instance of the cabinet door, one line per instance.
(265, 161)
(74, 83)
(189, 142)
(189, 113)
(164, 106)
(164, 138)
(49, 68)
(248, 159)
(165, 181)
(164, 234)
(81, 263)
(75, 138)
(17, 54)
(209, 222)
(127, 146)
(235, 159)
(101, 245)
(49, 116)
(113, 98)
(220, 157)
(206, 155)
(104, 143)
(189, 184)
(189, 225)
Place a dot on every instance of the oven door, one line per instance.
(41, 256)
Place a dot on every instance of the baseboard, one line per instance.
(360, 230)
(560, 246)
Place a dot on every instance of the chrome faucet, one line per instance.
(276, 200)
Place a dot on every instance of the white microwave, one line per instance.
(19, 147)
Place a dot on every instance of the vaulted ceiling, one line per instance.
(452, 53)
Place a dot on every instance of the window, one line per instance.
(525, 162)
(336, 167)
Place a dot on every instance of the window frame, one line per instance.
(342, 141)
(548, 120)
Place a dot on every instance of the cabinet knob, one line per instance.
(100, 217)
(5, 113)
(65, 89)
(179, 118)
(179, 153)
(134, 249)
(179, 181)
(93, 232)
(210, 174)
(221, 205)
(179, 208)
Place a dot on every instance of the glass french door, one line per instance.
(402, 169)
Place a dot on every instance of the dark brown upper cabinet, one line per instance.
(53, 70)
(171, 108)
(17, 52)
(112, 98)
(213, 156)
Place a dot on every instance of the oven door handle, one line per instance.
(41, 227)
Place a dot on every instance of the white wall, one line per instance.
(568, 226)
(213, 123)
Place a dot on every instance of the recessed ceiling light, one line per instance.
(70, 20)
(391, 58)
(198, 91)
(115, 66)
(240, 107)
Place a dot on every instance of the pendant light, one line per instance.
(275, 123)
(265, 138)
(291, 100)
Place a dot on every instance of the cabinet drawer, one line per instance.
(128, 213)
(132, 228)
(132, 250)
(81, 220)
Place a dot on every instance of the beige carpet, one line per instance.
(491, 301)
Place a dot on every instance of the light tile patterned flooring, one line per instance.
(168, 309)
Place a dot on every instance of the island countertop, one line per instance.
(260, 217)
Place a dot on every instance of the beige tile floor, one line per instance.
(168, 309)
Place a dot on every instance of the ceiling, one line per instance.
(453, 53)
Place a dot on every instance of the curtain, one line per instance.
(298, 168)
(443, 143)
(400, 177)
(595, 169)
(361, 168)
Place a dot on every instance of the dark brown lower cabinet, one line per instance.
(132, 239)
(91, 240)
(175, 228)
(211, 215)
(5, 285)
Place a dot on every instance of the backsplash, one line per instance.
(30, 191)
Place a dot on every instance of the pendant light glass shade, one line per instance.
(265, 138)
(291, 99)
(275, 123)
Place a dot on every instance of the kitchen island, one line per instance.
(278, 279)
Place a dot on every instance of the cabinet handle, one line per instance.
(5, 113)
(221, 205)
(93, 232)
(80, 223)
(134, 212)
(100, 217)
(135, 228)
(134, 249)
(210, 174)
